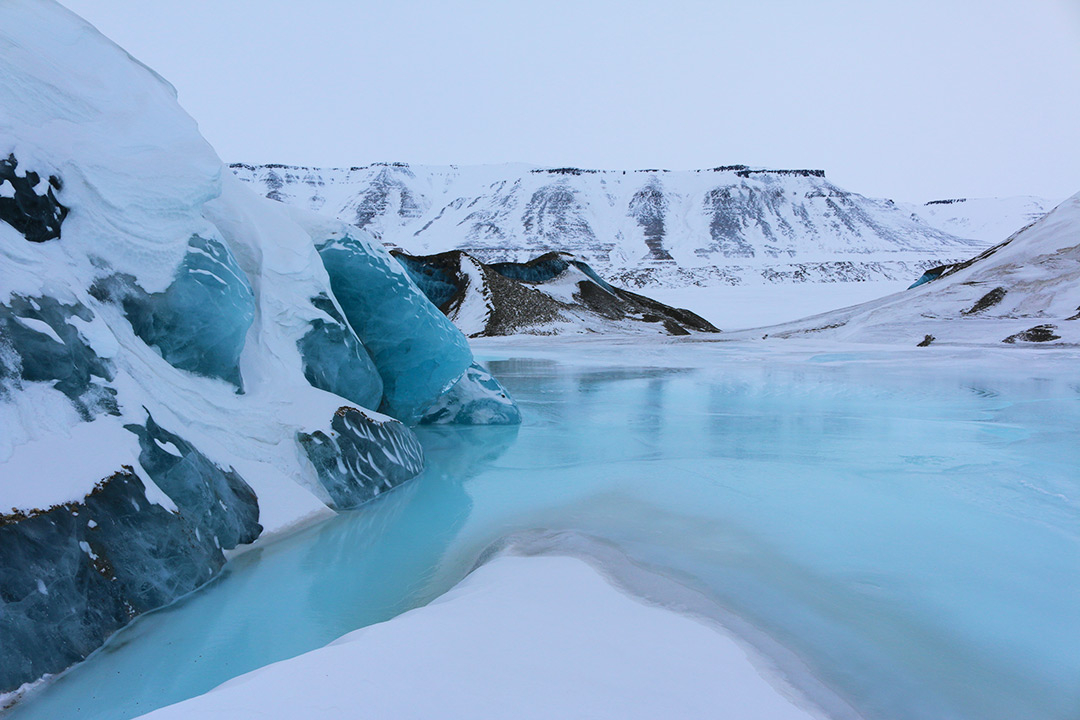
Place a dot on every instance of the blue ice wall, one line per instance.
(200, 321)
(418, 352)
(72, 575)
(362, 457)
(215, 501)
(336, 361)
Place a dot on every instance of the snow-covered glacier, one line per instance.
(185, 366)
(727, 225)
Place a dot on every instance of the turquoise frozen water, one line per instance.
(904, 524)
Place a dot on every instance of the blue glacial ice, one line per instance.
(336, 361)
(419, 353)
(200, 321)
(39, 344)
(215, 501)
(72, 575)
(362, 456)
(476, 399)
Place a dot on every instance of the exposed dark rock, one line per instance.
(926, 341)
(1039, 333)
(987, 301)
(30, 206)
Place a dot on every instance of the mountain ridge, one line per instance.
(731, 224)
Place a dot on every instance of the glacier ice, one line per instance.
(218, 502)
(39, 344)
(74, 574)
(362, 456)
(434, 281)
(336, 361)
(200, 321)
(418, 358)
(476, 399)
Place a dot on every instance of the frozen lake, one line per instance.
(898, 532)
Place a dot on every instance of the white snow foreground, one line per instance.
(1024, 291)
(521, 637)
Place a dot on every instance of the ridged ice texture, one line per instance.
(418, 352)
(217, 502)
(361, 456)
(76, 573)
(38, 343)
(200, 321)
(476, 399)
(336, 361)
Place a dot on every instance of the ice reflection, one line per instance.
(909, 530)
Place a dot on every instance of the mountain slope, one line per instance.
(647, 228)
(553, 294)
(1022, 291)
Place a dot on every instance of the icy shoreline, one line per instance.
(547, 625)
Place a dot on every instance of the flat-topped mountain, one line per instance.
(640, 228)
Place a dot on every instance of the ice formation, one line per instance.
(174, 350)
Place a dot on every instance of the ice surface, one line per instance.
(896, 526)
(336, 361)
(101, 563)
(28, 203)
(215, 501)
(497, 645)
(200, 322)
(362, 456)
(476, 399)
(418, 359)
(39, 343)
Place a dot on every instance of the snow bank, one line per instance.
(523, 638)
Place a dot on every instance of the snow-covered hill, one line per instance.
(988, 220)
(643, 228)
(553, 294)
(184, 365)
(1025, 290)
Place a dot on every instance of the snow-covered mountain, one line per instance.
(988, 220)
(1022, 291)
(643, 228)
(553, 294)
(185, 366)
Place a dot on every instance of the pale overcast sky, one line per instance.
(913, 100)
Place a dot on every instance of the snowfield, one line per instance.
(525, 638)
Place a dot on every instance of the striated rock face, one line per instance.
(555, 293)
(646, 228)
(362, 456)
